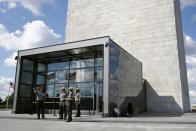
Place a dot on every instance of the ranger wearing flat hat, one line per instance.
(62, 105)
(70, 102)
(78, 101)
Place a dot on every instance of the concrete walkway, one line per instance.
(142, 122)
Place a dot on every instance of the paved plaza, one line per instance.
(142, 122)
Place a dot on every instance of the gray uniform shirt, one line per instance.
(40, 96)
(62, 96)
(78, 97)
(70, 95)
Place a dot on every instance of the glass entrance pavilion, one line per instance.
(107, 76)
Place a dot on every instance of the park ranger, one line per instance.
(40, 98)
(69, 106)
(78, 101)
(62, 105)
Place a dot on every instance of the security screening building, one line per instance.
(108, 76)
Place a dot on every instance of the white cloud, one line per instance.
(4, 87)
(10, 61)
(2, 10)
(11, 5)
(186, 3)
(190, 45)
(192, 93)
(34, 34)
(32, 5)
(190, 49)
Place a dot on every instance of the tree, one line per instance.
(10, 102)
(1, 101)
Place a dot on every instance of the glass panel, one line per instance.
(99, 87)
(50, 90)
(50, 77)
(62, 76)
(86, 89)
(74, 86)
(72, 76)
(25, 90)
(99, 73)
(82, 63)
(99, 62)
(58, 88)
(58, 66)
(40, 79)
(27, 77)
(114, 71)
(82, 75)
(27, 65)
(41, 68)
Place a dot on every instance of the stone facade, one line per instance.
(150, 30)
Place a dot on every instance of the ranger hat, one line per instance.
(71, 88)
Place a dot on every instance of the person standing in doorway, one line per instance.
(62, 106)
(40, 98)
(70, 102)
(78, 101)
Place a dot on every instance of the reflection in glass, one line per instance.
(27, 65)
(82, 75)
(58, 88)
(27, 77)
(58, 66)
(86, 89)
(40, 79)
(98, 61)
(50, 77)
(41, 67)
(114, 71)
(99, 73)
(62, 76)
(50, 90)
(114, 88)
(82, 63)
(25, 90)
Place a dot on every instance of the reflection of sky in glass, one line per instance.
(50, 90)
(82, 63)
(114, 71)
(86, 89)
(27, 77)
(114, 87)
(99, 73)
(99, 62)
(27, 65)
(50, 77)
(82, 75)
(62, 76)
(58, 66)
(40, 79)
(41, 67)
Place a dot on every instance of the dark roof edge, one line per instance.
(65, 43)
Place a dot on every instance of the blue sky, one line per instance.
(32, 23)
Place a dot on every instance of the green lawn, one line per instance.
(4, 106)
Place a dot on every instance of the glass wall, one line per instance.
(25, 86)
(125, 81)
(85, 73)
